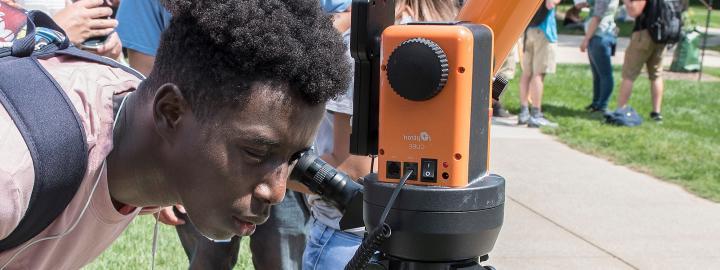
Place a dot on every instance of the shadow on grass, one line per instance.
(563, 111)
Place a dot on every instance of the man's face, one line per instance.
(229, 169)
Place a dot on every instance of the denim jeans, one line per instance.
(600, 49)
(276, 244)
(328, 248)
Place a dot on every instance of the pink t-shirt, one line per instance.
(90, 87)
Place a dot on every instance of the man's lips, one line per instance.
(242, 227)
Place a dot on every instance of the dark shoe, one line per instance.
(656, 116)
(592, 109)
(499, 111)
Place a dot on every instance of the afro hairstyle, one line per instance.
(214, 50)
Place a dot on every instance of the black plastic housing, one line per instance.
(369, 19)
(437, 224)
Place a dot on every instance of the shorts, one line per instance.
(642, 51)
(507, 70)
(538, 53)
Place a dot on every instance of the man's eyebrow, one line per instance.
(262, 140)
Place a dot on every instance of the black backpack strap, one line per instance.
(25, 46)
(54, 135)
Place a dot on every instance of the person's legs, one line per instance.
(544, 63)
(507, 71)
(279, 242)
(605, 72)
(536, 90)
(656, 92)
(625, 91)
(328, 248)
(635, 57)
(537, 119)
(592, 51)
(527, 70)
(528, 58)
(654, 67)
(525, 88)
(204, 253)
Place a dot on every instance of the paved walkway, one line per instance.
(569, 52)
(569, 210)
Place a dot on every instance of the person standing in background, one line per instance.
(600, 40)
(643, 51)
(539, 46)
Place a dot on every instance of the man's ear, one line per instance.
(169, 108)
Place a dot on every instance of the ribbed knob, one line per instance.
(417, 69)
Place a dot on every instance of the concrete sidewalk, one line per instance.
(569, 210)
(569, 52)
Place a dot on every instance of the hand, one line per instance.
(85, 19)
(584, 44)
(111, 48)
(167, 215)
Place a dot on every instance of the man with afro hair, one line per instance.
(236, 93)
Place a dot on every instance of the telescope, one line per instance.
(422, 105)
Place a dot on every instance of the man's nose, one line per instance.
(272, 188)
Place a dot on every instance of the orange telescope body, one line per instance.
(435, 92)
(507, 19)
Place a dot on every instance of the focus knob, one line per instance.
(417, 69)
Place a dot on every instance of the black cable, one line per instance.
(377, 237)
(372, 163)
(391, 202)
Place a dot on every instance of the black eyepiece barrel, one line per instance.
(322, 178)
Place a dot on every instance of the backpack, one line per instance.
(626, 116)
(45, 117)
(663, 20)
(539, 16)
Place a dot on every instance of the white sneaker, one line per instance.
(539, 120)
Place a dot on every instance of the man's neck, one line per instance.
(134, 177)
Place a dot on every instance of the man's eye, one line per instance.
(256, 154)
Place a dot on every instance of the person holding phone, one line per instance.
(83, 21)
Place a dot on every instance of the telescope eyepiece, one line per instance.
(325, 180)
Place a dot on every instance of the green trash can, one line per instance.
(687, 53)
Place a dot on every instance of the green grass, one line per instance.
(133, 249)
(698, 14)
(684, 149)
(712, 71)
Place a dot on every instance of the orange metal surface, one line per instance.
(507, 18)
(438, 128)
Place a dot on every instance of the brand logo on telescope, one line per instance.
(422, 137)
